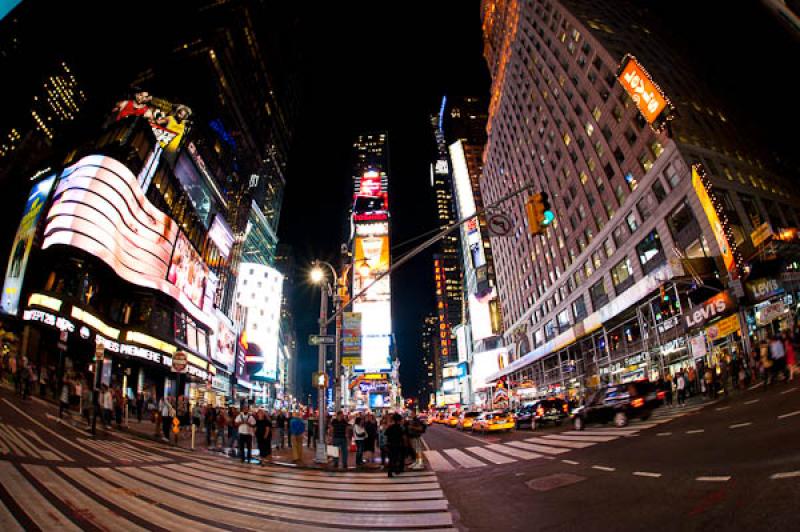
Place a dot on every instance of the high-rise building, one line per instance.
(446, 259)
(657, 195)
(431, 361)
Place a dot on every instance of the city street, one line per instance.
(732, 464)
(57, 477)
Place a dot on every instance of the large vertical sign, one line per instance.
(721, 235)
(351, 339)
(18, 261)
(260, 291)
(642, 90)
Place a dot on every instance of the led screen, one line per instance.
(480, 313)
(371, 258)
(99, 207)
(222, 235)
(187, 271)
(485, 364)
(195, 187)
(260, 292)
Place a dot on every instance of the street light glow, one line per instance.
(317, 275)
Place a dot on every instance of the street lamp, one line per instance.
(318, 277)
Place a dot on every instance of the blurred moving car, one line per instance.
(618, 403)
(551, 410)
(452, 421)
(493, 421)
(466, 419)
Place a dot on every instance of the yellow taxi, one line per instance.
(494, 421)
(452, 419)
(466, 419)
(440, 417)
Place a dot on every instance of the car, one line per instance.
(493, 421)
(439, 417)
(424, 419)
(452, 420)
(551, 410)
(618, 403)
(466, 419)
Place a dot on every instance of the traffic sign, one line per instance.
(318, 339)
(179, 362)
(499, 225)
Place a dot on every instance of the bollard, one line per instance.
(194, 430)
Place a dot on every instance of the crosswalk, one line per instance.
(26, 443)
(542, 444)
(211, 493)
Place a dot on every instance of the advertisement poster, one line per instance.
(20, 250)
(195, 187)
(222, 235)
(644, 93)
(223, 342)
(351, 339)
(168, 121)
(724, 244)
(187, 271)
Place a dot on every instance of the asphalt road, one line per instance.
(730, 465)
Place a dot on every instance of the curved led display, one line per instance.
(99, 207)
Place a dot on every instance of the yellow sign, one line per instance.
(713, 219)
(723, 328)
(375, 376)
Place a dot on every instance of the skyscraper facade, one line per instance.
(656, 195)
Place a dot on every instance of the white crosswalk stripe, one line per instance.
(463, 459)
(212, 495)
(493, 457)
(513, 451)
(538, 448)
(437, 461)
(581, 437)
(571, 444)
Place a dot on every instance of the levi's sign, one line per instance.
(711, 308)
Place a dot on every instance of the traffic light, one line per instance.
(539, 214)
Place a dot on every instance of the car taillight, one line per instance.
(636, 403)
(540, 411)
(661, 395)
(564, 407)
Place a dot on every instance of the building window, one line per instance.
(630, 136)
(658, 191)
(672, 175)
(651, 254)
(631, 180)
(622, 275)
(538, 338)
(618, 155)
(579, 308)
(633, 225)
(686, 232)
(609, 248)
(657, 148)
(550, 330)
(589, 129)
(609, 170)
(596, 113)
(598, 294)
(619, 235)
(645, 162)
(563, 320)
(645, 206)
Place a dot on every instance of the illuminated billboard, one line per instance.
(465, 206)
(260, 292)
(99, 207)
(222, 235)
(485, 364)
(187, 271)
(168, 121)
(724, 241)
(194, 185)
(23, 241)
(483, 323)
(643, 91)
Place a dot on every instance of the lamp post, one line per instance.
(318, 277)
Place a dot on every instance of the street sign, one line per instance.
(179, 362)
(318, 339)
(499, 225)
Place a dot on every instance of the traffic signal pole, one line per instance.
(321, 454)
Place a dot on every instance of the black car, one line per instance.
(541, 412)
(618, 403)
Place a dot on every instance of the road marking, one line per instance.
(646, 474)
(538, 448)
(790, 390)
(753, 387)
(425, 444)
(713, 479)
(513, 451)
(790, 414)
(38, 508)
(750, 402)
(562, 443)
(437, 461)
(695, 431)
(664, 434)
(8, 522)
(740, 425)
(721, 408)
(580, 437)
(553, 481)
(463, 459)
(570, 462)
(52, 449)
(486, 454)
(788, 474)
(604, 468)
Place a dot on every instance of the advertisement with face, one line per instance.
(223, 342)
(23, 241)
(168, 121)
(187, 271)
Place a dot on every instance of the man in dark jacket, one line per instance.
(396, 440)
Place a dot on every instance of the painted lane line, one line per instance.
(721, 408)
(604, 468)
(36, 506)
(740, 425)
(695, 431)
(790, 414)
(425, 444)
(713, 479)
(513, 451)
(753, 387)
(486, 454)
(562, 443)
(580, 437)
(788, 474)
(437, 461)
(790, 390)
(570, 462)
(752, 401)
(646, 474)
(463, 459)
(544, 449)
(664, 434)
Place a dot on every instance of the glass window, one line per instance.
(598, 294)
(645, 206)
(609, 248)
(622, 275)
(650, 252)
(598, 261)
(658, 191)
(589, 128)
(645, 161)
(619, 235)
(538, 337)
(579, 308)
(631, 180)
(672, 175)
(633, 225)
(563, 320)
(550, 330)
(686, 231)
(657, 148)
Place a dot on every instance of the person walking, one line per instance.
(107, 404)
(118, 403)
(359, 435)
(297, 427)
(167, 412)
(680, 384)
(708, 379)
(233, 432)
(668, 388)
(415, 431)
(371, 424)
(312, 423)
(396, 440)
(43, 381)
(263, 435)
(382, 440)
(339, 433)
(791, 357)
(63, 403)
(222, 429)
(245, 423)
(280, 424)
(777, 353)
(210, 420)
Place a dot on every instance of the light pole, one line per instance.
(318, 277)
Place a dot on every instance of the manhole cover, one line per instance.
(553, 481)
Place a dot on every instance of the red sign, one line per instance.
(370, 184)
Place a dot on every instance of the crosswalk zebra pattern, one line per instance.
(541, 444)
(26, 443)
(210, 493)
